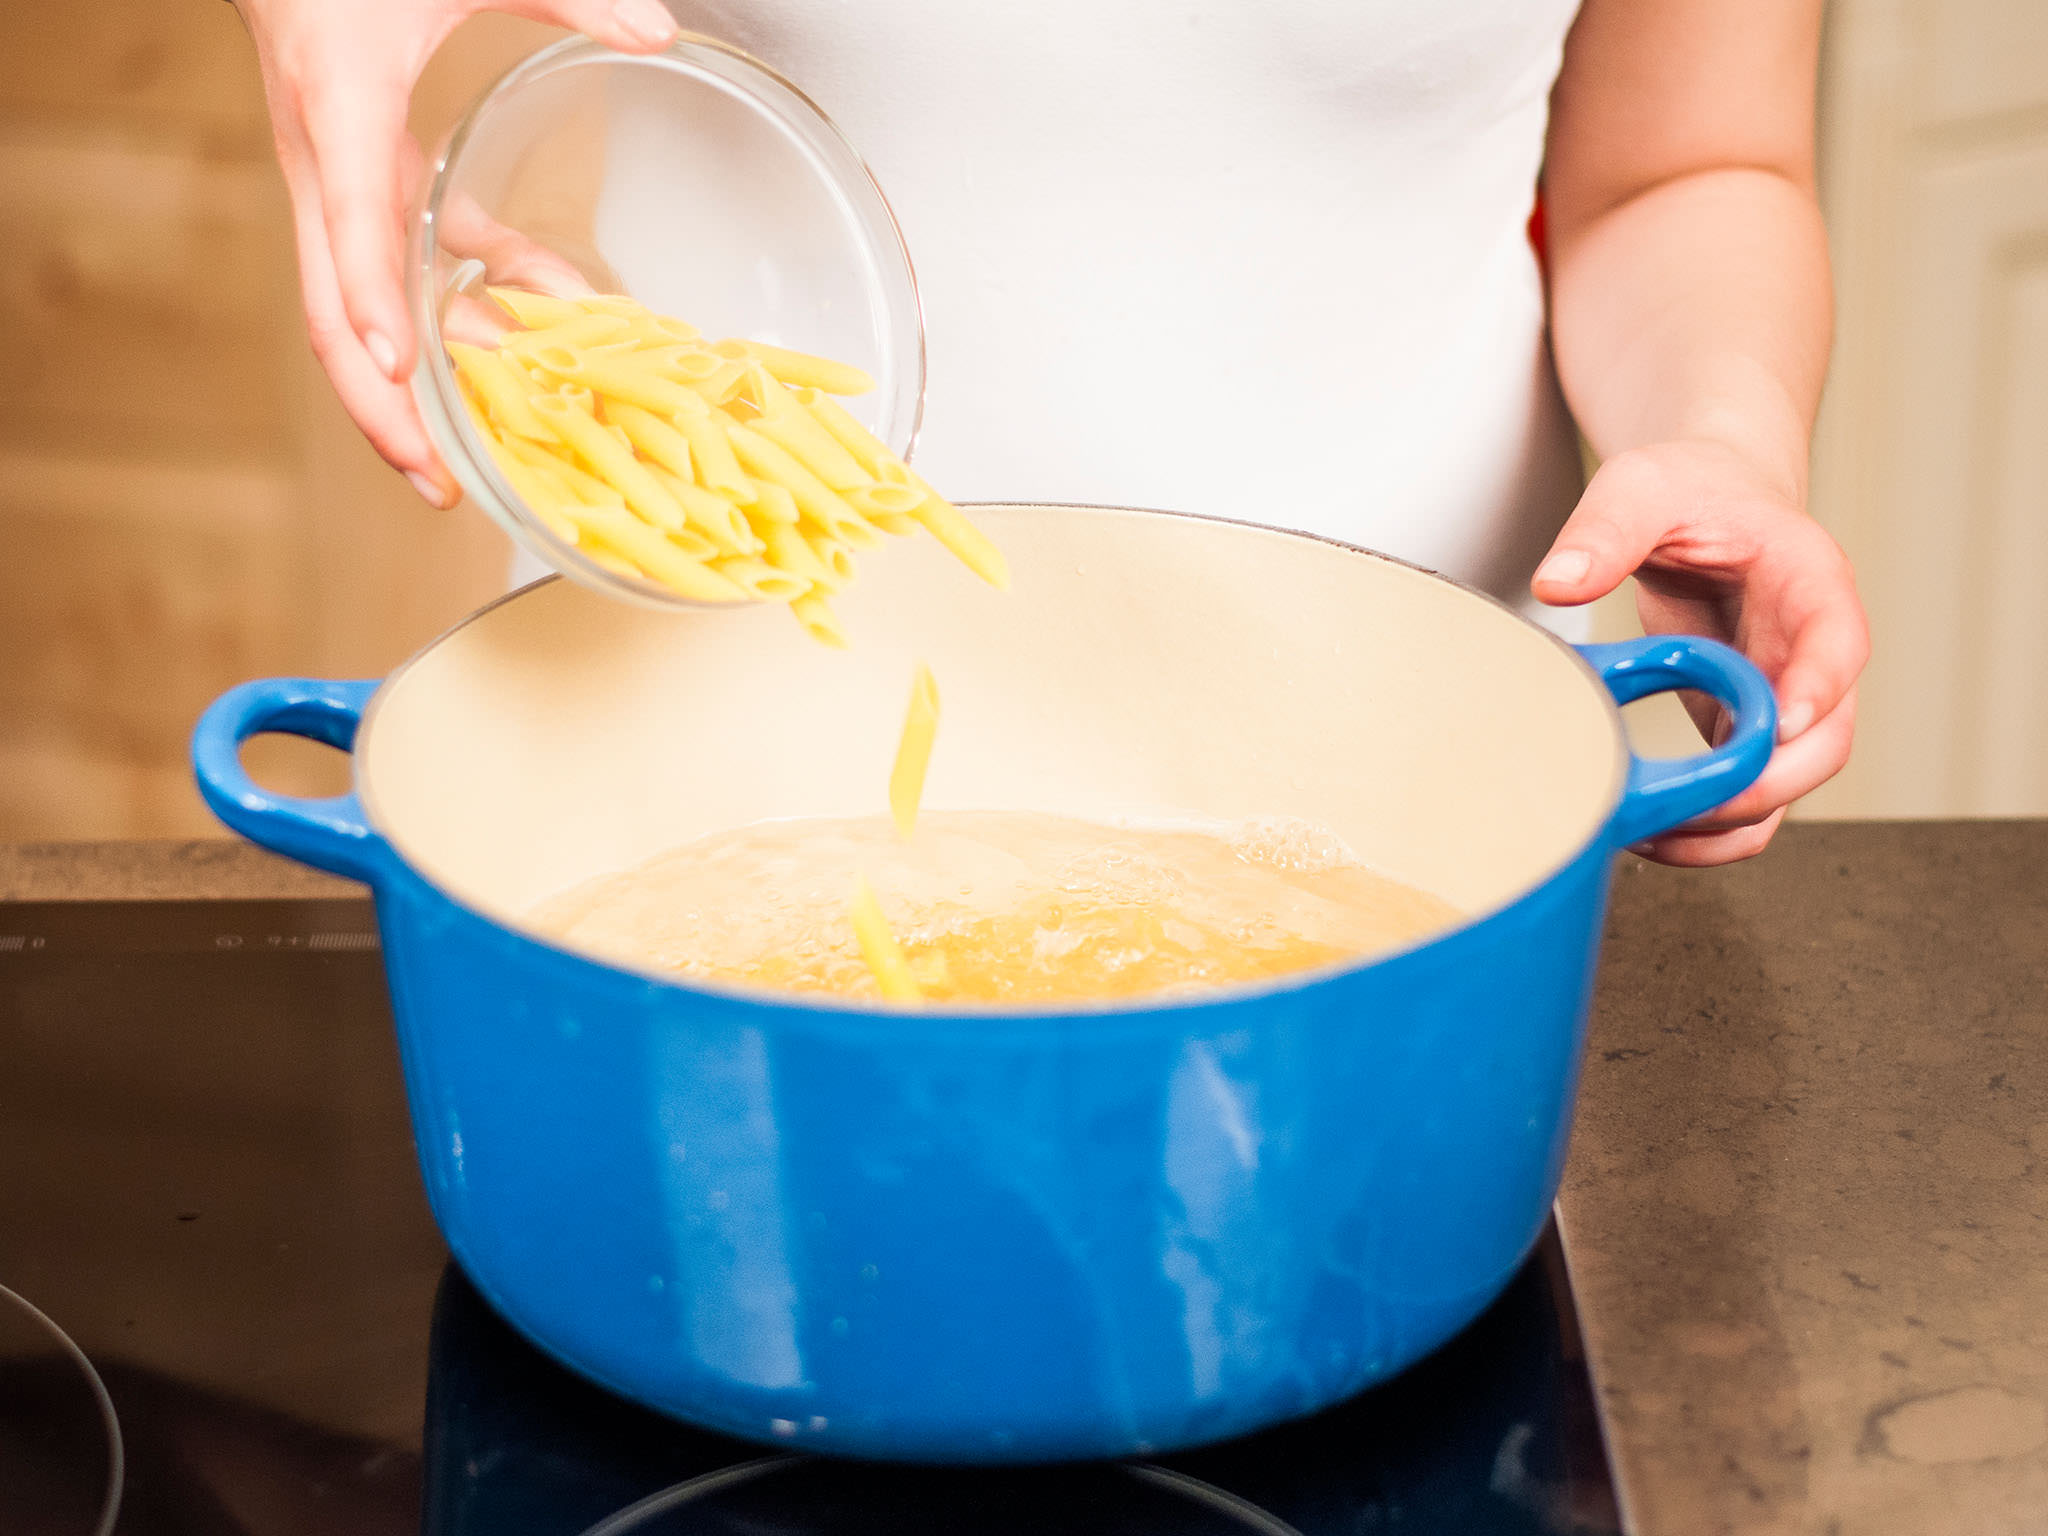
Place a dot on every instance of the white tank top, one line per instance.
(1265, 259)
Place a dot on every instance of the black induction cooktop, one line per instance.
(224, 1310)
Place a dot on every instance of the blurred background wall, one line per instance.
(183, 505)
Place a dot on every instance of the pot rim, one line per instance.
(983, 1014)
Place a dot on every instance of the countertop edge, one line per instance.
(196, 869)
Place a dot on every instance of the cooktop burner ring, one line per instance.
(1242, 1514)
(110, 1422)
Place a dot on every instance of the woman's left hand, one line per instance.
(1719, 548)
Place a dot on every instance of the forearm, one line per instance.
(1697, 309)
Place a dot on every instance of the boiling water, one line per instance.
(998, 906)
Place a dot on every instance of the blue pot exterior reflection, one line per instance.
(990, 1237)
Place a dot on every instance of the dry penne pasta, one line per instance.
(710, 514)
(537, 311)
(606, 560)
(624, 534)
(888, 507)
(817, 617)
(786, 547)
(816, 500)
(949, 525)
(970, 546)
(654, 437)
(914, 751)
(698, 547)
(722, 470)
(615, 376)
(581, 484)
(507, 395)
(771, 504)
(623, 305)
(580, 332)
(687, 364)
(801, 367)
(611, 462)
(878, 947)
(718, 468)
(760, 580)
(548, 500)
(856, 439)
(797, 432)
(835, 557)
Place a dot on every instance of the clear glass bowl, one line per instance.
(700, 182)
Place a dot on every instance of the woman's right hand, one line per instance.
(339, 80)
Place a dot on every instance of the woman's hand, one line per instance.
(1718, 548)
(339, 79)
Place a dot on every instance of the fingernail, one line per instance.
(382, 353)
(1795, 719)
(646, 20)
(427, 488)
(1567, 567)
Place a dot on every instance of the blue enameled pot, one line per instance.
(978, 1236)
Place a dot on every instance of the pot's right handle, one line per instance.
(1663, 794)
(332, 834)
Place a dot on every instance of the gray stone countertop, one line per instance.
(1807, 1205)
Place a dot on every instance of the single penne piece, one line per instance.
(760, 580)
(582, 331)
(914, 751)
(613, 464)
(817, 617)
(718, 385)
(888, 507)
(617, 376)
(505, 393)
(660, 361)
(801, 368)
(546, 497)
(687, 362)
(888, 500)
(970, 546)
(654, 437)
(710, 514)
(824, 506)
(618, 566)
(624, 534)
(695, 545)
(946, 523)
(670, 329)
(623, 305)
(772, 504)
(835, 557)
(758, 388)
(878, 947)
(535, 311)
(856, 439)
(581, 484)
(788, 549)
(718, 468)
(798, 432)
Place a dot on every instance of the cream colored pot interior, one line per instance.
(1141, 665)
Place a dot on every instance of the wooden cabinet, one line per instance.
(182, 502)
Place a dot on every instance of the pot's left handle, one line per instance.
(331, 834)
